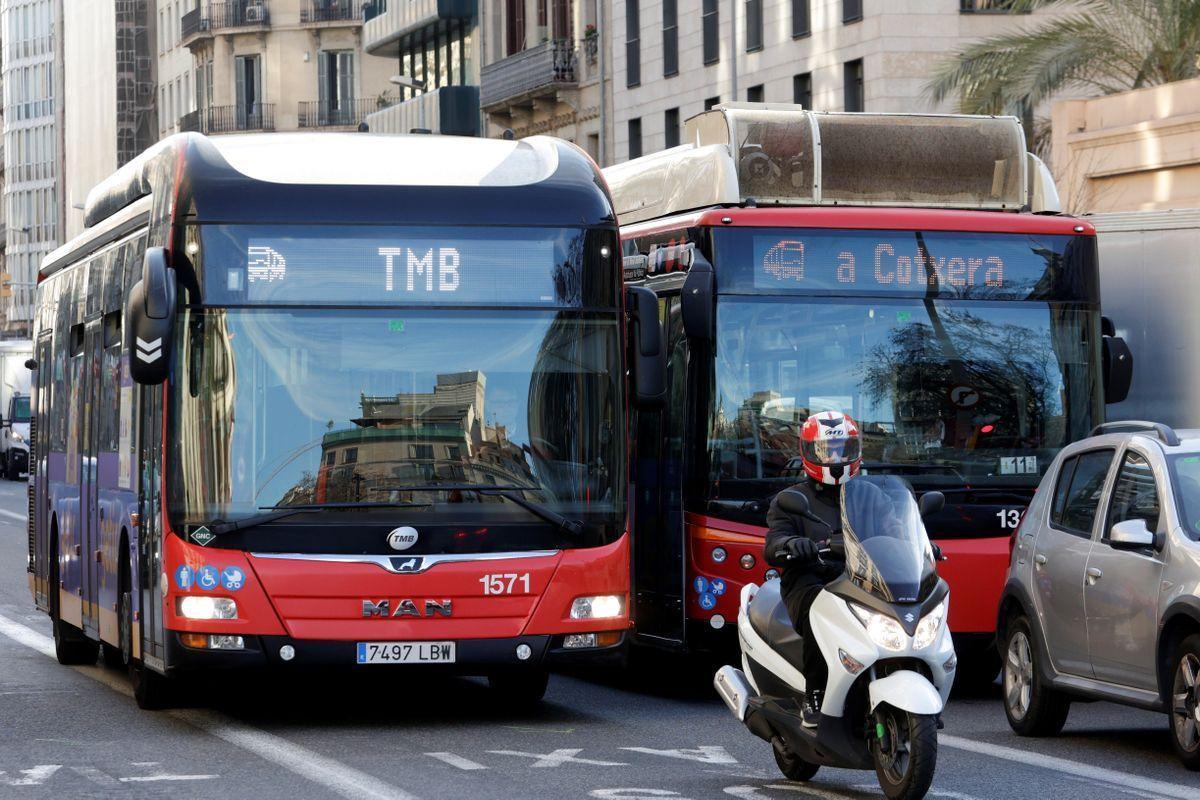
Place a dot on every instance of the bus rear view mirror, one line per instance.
(1117, 363)
(649, 351)
(697, 304)
(150, 320)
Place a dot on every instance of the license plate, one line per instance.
(406, 652)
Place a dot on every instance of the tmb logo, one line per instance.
(402, 538)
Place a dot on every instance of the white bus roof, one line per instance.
(781, 154)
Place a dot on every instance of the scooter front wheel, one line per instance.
(791, 765)
(905, 753)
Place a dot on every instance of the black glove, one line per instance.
(802, 549)
(937, 551)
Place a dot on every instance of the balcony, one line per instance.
(332, 12)
(386, 22)
(227, 16)
(230, 119)
(451, 110)
(316, 114)
(538, 73)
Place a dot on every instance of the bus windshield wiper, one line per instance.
(571, 526)
(280, 512)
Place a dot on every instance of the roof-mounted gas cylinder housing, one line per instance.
(768, 154)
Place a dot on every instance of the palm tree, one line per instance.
(1097, 46)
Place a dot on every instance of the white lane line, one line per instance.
(339, 778)
(1068, 767)
(4, 512)
(456, 760)
(167, 777)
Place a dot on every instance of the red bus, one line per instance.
(886, 266)
(335, 399)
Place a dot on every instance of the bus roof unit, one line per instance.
(761, 153)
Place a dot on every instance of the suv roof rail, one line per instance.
(1164, 432)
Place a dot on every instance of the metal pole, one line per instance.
(733, 48)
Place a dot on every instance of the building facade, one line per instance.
(32, 152)
(673, 59)
(279, 65)
(176, 90)
(432, 50)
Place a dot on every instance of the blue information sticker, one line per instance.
(184, 577)
(701, 584)
(708, 601)
(207, 578)
(232, 578)
(718, 586)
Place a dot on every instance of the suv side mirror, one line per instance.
(794, 502)
(697, 303)
(1117, 362)
(1131, 534)
(649, 351)
(931, 503)
(150, 320)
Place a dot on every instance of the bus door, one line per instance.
(39, 448)
(93, 343)
(150, 530)
(660, 562)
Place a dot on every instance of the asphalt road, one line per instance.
(660, 733)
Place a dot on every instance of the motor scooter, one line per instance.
(881, 628)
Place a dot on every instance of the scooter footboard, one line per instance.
(906, 690)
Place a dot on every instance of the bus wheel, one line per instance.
(519, 688)
(151, 690)
(71, 646)
(120, 656)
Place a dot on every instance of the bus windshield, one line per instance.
(947, 393)
(295, 406)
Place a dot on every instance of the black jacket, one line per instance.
(825, 502)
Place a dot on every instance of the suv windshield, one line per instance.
(1185, 474)
(283, 407)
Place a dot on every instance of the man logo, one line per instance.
(402, 538)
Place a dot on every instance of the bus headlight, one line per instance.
(928, 627)
(884, 631)
(603, 606)
(201, 607)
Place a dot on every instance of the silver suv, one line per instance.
(1103, 593)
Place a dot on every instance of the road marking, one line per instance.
(96, 776)
(339, 778)
(167, 777)
(704, 754)
(456, 761)
(637, 794)
(13, 515)
(1068, 767)
(558, 758)
(34, 776)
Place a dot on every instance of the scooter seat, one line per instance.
(769, 618)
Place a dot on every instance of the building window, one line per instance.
(712, 101)
(633, 44)
(802, 90)
(801, 18)
(755, 94)
(420, 452)
(350, 456)
(990, 7)
(514, 26)
(710, 21)
(335, 83)
(851, 11)
(671, 127)
(670, 33)
(852, 74)
(754, 26)
(635, 137)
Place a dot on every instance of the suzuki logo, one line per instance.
(909, 617)
(407, 608)
(149, 351)
(402, 538)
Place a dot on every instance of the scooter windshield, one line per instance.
(887, 550)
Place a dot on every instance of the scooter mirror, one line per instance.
(793, 502)
(931, 503)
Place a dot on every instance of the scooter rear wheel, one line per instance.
(791, 765)
(906, 756)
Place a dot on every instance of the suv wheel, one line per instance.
(1032, 708)
(1185, 702)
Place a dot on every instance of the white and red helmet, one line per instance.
(830, 447)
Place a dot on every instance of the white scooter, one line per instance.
(881, 628)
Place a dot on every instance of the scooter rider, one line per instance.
(831, 450)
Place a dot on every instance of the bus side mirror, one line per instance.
(649, 351)
(150, 320)
(697, 303)
(31, 364)
(931, 503)
(1117, 363)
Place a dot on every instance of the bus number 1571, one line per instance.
(503, 584)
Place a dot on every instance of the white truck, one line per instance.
(1150, 288)
(14, 406)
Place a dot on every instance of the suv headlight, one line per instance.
(930, 624)
(884, 631)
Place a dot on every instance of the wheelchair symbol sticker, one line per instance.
(207, 578)
(708, 601)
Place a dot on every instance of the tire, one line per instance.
(906, 757)
(1032, 707)
(977, 671)
(1184, 703)
(521, 688)
(151, 691)
(791, 765)
(71, 646)
(121, 656)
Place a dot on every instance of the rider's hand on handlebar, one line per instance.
(802, 549)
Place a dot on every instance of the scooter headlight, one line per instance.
(928, 627)
(884, 631)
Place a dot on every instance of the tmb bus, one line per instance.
(335, 399)
(909, 270)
